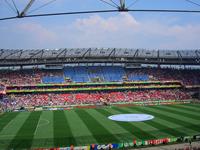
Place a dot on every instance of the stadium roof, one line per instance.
(116, 5)
(10, 57)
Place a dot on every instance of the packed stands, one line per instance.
(19, 77)
(94, 78)
(93, 74)
(30, 76)
(97, 74)
(66, 99)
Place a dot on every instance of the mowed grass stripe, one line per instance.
(187, 107)
(139, 132)
(45, 126)
(111, 126)
(101, 134)
(182, 113)
(183, 109)
(6, 118)
(43, 135)
(81, 133)
(181, 116)
(24, 136)
(11, 129)
(126, 126)
(169, 121)
(62, 133)
(160, 126)
(4, 115)
(169, 117)
(148, 127)
(195, 106)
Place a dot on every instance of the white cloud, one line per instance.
(112, 24)
(124, 30)
(37, 34)
(38, 30)
(121, 30)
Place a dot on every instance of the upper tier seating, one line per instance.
(77, 74)
(86, 74)
(97, 74)
(138, 77)
(113, 73)
(53, 79)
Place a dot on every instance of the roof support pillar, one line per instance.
(28, 6)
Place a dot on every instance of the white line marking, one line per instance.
(8, 124)
(37, 126)
(42, 124)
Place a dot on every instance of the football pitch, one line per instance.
(91, 126)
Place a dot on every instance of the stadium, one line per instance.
(100, 91)
(67, 97)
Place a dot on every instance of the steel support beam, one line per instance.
(28, 6)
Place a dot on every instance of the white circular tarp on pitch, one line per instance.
(131, 117)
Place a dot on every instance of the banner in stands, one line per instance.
(91, 89)
(149, 142)
(82, 148)
(118, 145)
(100, 83)
(65, 148)
(104, 146)
(158, 141)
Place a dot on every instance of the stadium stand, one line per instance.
(66, 99)
(100, 78)
(93, 74)
(53, 79)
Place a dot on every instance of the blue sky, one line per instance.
(121, 30)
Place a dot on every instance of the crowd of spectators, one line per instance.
(34, 76)
(187, 77)
(26, 77)
(53, 99)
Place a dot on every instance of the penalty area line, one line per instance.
(36, 127)
(42, 124)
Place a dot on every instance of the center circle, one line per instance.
(131, 117)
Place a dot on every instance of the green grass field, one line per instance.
(88, 126)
